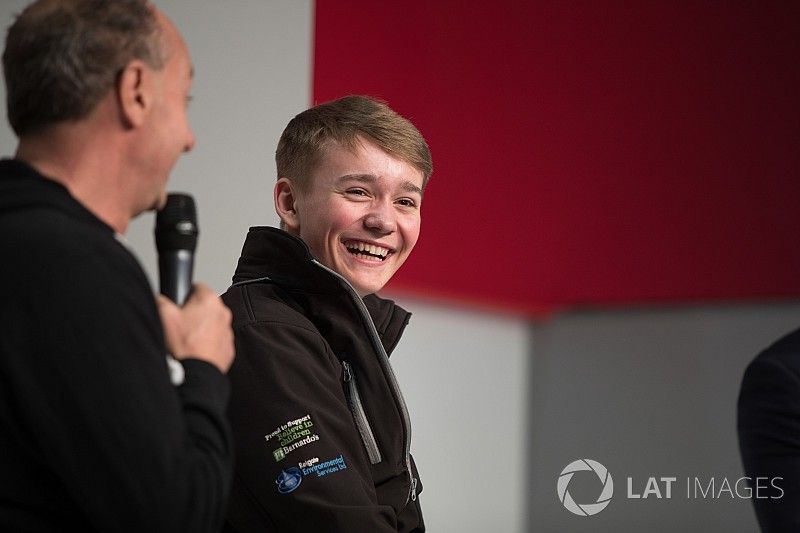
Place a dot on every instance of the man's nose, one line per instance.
(381, 218)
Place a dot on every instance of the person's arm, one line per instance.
(769, 440)
(318, 479)
(133, 452)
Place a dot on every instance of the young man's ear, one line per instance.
(134, 90)
(285, 205)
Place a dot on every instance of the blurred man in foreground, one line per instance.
(95, 436)
(769, 433)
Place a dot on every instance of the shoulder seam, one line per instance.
(254, 322)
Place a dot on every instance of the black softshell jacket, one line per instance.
(321, 429)
(94, 436)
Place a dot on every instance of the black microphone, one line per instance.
(176, 239)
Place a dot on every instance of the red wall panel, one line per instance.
(588, 152)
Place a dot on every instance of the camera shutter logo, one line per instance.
(585, 509)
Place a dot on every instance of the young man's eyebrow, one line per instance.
(407, 186)
(363, 178)
(410, 187)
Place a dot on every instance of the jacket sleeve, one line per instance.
(300, 462)
(97, 405)
(769, 440)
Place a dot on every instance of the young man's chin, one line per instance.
(364, 288)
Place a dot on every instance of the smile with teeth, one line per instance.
(370, 252)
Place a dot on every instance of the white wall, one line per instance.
(464, 375)
(252, 75)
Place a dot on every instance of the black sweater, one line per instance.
(93, 434)
(769, 433)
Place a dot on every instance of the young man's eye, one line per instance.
(407, 202)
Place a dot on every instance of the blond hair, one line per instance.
(344, 121)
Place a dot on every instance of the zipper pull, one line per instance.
(413, 489)
(348, 376)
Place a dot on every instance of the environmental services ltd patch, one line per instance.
(290, 478)
(324, 468)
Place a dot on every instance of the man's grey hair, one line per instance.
(63, 56)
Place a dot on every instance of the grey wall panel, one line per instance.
(647, 393)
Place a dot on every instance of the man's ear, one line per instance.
(135, 93)
(285, 195)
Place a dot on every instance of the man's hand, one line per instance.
(201, 329)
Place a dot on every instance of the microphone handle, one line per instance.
(175, 274)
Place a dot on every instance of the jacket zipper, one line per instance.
(383, 359)
(357, 408)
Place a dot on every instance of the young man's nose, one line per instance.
(381, 218)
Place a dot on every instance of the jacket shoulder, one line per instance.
(263, 302)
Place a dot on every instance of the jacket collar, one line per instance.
(287, 261)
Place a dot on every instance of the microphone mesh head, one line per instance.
(176, 224)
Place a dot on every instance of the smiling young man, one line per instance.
(321, 429)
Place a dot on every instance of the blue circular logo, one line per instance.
(289, 480)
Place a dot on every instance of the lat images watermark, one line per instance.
(663, 487)
(585, 509)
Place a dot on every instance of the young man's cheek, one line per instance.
(410, 229)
